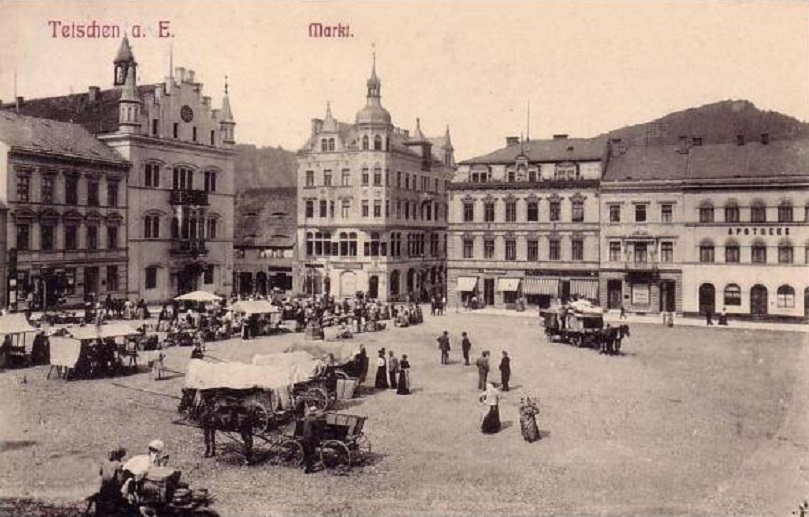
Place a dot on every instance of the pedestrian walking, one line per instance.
(483, 369)
(393, 369)
(443, 345)
(709, 317)
(312, 430)
(381, 373)
(491, 422)
(466, 346)
(403, 386)
(111, 471)
(505, 370)
(363, 360)
(623, 313)
(529, 410)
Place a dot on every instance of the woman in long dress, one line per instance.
(491, 397)
(381, 372)
(403, 387)
(528, 422)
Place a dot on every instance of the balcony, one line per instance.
(188, 197)
(188, 248)
(641, 265)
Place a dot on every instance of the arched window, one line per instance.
(210, 181)
(343, 244)
(365, 143)
(175, 228)
(732, 253)
(759, 252)
(377, 143)
(318, 243)
(310, 243)
(733, 295)
(210, 231)
(786, 297)
(731, 212)
(706, 251)
(374, 244)
(151, 227)
(786, 253)
(352, 244)
(785, 214)
(758, 212)
(182, 178)
(706, 212)
(151, 175)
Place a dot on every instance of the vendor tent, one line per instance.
(342, 353)
(198, 296)
(254, 307)
(15, 323)
(111, 330)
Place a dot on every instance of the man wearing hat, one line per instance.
(156, 455)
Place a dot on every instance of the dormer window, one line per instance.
(566, 171)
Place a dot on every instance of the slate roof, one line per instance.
(40, 135)
(556, 150)
(778, 159)
(258, 219)
(98, 117)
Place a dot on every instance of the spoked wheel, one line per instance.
(362, 448)
(316, 397)
(260, 415)
(290, 453)
(335, 456)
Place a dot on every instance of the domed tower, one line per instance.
(373, 121)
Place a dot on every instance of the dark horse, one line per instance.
(611, 337)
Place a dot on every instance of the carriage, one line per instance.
(341, 445)
(575, 328)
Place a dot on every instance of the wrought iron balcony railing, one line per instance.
(188, 197)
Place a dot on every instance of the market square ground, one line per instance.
(690, 421)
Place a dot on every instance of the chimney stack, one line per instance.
(740, 139)
(92, 93)
(512, 140)
(560, 137)
(765, 138)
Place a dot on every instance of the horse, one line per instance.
(610, 339)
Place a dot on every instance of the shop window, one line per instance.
(785, 297)
(733, 295)
(151, 277)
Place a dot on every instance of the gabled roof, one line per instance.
(98, 117)
(556, 150)
(778, 159)
(26, 133)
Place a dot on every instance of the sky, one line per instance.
(585, 67)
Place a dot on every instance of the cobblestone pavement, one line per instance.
(689, 421)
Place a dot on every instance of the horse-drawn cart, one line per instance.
(581, 324)
(341, 444)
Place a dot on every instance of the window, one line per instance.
(310, 179)
(577, 211)
(488, 212)
(365, 143)
(211, 230)
(511, 249)
(310, 208)
(759, 253)
(324, 145)
(365, 176)
(23, 237)
(345, 209)
(555, 210)
(207, 275)
(640, 251)
(213, 137)
(71, 190)
(365, 211)
(706, 214)
(468, 212)
(468, 247)
(566, 171)
(666, 212)
(640, 213)
(553, 249)
(112, 278)
(151, 277)
(532, 212)
(377, 208)
(156, 127)
(176, 130)
(758, 212)
(71, 237)
(352, 244)
(511, 211)
(92, 193)
(731, 213)
(182, 178)
(577, 249)
(615, 213)
(785, 253)
(533, 250)
(785, 213)
(112, 193)
(488, 248)
(194, 133)
(331, 144)
(151, 175)
(331, 209)
(377, 143)
(112, 237)
(785, 297)
(398, 210)
(345, 178)
(733, 295)
(372, 247)
(407, 181)
(23, 188)
(210, 181)
(732, 252)
(92, 238)
(706, 252)
(46, 237)
(615, 251)
(324, 207)
(377, 177)
(151, 227)
(666, 252)
(398, 179)
(387, 208)
(47, 188)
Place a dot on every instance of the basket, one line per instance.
(346, 387)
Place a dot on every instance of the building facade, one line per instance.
(264, 242)
(66, 194)
(524, 222)
(372, 206)
(726, 228)
(181, 189)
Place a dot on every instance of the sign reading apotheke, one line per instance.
(773, 230)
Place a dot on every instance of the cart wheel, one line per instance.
(290, 453)
(362, 448)
(335, 456)
(260, 415)
(316, 397)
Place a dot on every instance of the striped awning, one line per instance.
(467, 283)
(539, 285)
(508, 284)
(584, 287)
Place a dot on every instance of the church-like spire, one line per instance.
(129, 91)
(227, 125)
(417, 134)
(227, 114)
(123, 63)
(447, 139)
(329, 124)
(374, 84)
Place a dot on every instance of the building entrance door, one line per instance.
(758, 300)
(614, 294)
(667, 296)
(373, 287)
(348, 284)
(564, 290)
(488, 291)
(707, 299)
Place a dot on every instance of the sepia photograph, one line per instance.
(404, 258)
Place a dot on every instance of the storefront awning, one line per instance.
(467, 283)
(585, 288)
(508, 284)
(546, 286)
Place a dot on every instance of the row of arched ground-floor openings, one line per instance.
(759, 300)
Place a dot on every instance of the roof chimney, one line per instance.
(740, 139)
(765, 138)
(92, 93)
(512, 140)
(560, 137)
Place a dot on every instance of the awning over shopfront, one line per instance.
(539, 285)
(508, 284)
(467, 283)
(584, 287)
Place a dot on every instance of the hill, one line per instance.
(264, 167)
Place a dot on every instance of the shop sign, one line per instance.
(346, 265)
(493, 271)
(773, 230)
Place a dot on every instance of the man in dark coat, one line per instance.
(483, 369)
(466, 346)
(312, 430)
(443, 345)
(505, 370)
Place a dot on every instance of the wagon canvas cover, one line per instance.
(299, 366)
(202, 375)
